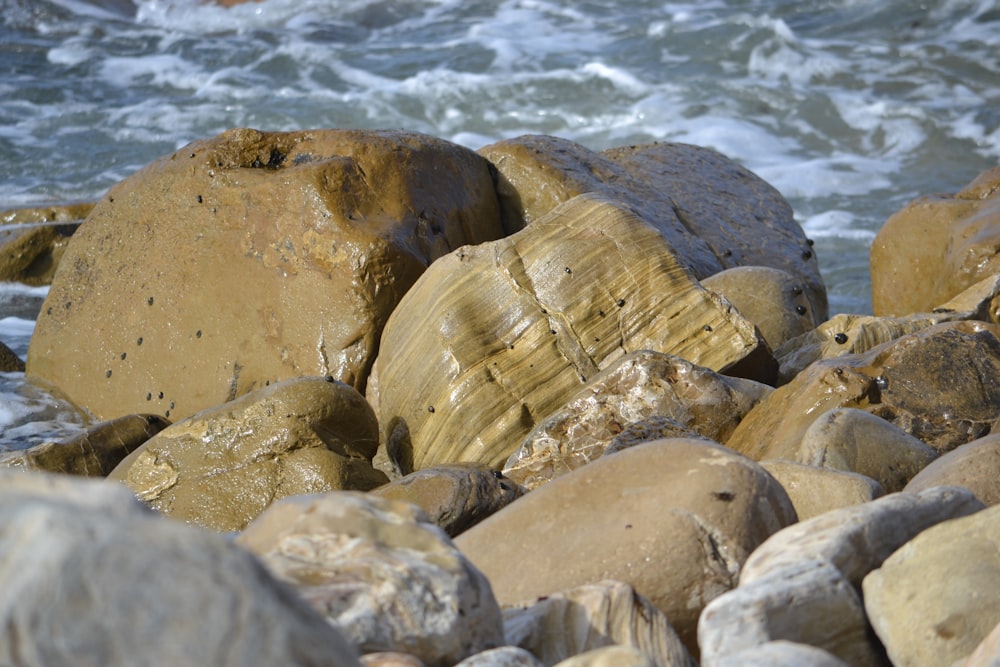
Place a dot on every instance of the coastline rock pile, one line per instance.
(372, 398)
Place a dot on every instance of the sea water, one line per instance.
(849, 108)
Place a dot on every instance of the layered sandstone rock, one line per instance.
(31, 251)
(382, 572)
(250, 258)
(637, 387)
(495, 337)
(930, 384)
(675, 519)
(92, 578)
(221, 467)
(936, 247)
(715, 213)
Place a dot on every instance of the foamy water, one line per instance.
(849, 108)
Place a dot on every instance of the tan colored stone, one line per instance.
(250, 258)
(638, 386)
(857, 441)
(714, 213)
(936, 247)
(9, 361)
(935, 599)
(380, 571)
(390, 659)
(987, 654)
(591, 616)
(975, 466)
(455, 497)
(504, 656)
(930, 384)
(857, 539)
(814, 491)
(781, 654)
(609, 656)
(675, 519)
(223, 466)
(93, 453)
(31, 251)
(768, 297)
(495, 337)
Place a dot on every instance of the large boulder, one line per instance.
(494, 338)
(91, 578)
(715, 213)
(675, 519)
(250, 258)
(975, 466)
(936, 384)
(814, 490)
(936, 247)
(32, 247)
(382, 572)
(221, 467)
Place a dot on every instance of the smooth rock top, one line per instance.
(975, 466)
(250, 258)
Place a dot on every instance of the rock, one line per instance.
(91, 578)
(656, 427)
(331, 227)
(857, 539)
(504, 656)
(638, 386)
(975, 466)
(390, 659)
(781, 654)
(495, 337)
(934, 600)
(930, 384)
(814, 491)
(223, 466)
(592, 616)
(675, 519)
(936, 247)
(715, 213)
(382, 572)
(809, 602)
(768, 297)
(851, 334)
(987, 654)
(9, 361)
(93, 453)
(857, 441)
(31, 251)
(609, 656)
(455, 497)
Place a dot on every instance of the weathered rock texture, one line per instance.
(935, 599)
(90, 577)
(30, 252)
(975, 466)
(495, 337)
(936, 247)
(251, 258)
(592, 616)
(94, 453)
(675, 519)
(715, 213)
(382, 572)
(814, 491)
(933, 384)
(223, 466)
(636, 387)
(455, 497)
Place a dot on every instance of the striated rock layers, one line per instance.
(250, 258)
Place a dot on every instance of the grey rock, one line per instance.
(781, 654)
(504, 656)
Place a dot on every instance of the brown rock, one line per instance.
(975, 466)
(814, 491)
(934, 600)
(31, 251)
(223, 466)
(675, 519)
(936, 247)
(455, 497)
(93, 453)
(930, 384)
(497, 336)
(9, 361)
(152, 311)
(715, 213)
(638, 386)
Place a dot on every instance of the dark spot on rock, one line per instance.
(801, 310)
(497, 474)
(197, 334)
(68, 304)
(840, 337)
(807, 254)
(108, 374)
(123, 356)
(138, 341)
(161, 395)
(568, 270)
(810, 242)
(621, 302)
(727, 253)
(111, 199)
(628, 526)
(838, 371)
(707, 327)
(510, 347)
(430, 408)
(267, 383)
(171, 405)
(150, 301)
(552, 331)
(796, 290)
(544, 312)
(504, 486)
(596, 339)
(200, 200)
(167, 413)
(49, 311)
(330, 378)
(724, 496)
(149, 397)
